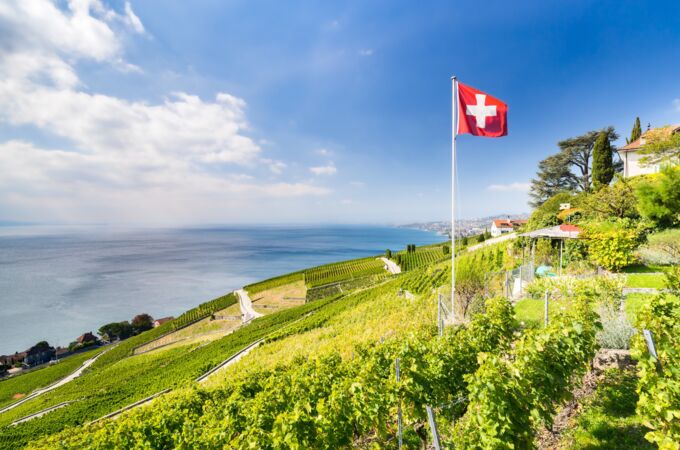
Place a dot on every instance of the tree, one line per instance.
(636, 132)
(142, 322)
(464, 241)
(116, 330)
(616, 200)
(445, 249)
(578, 152)
(553, 176)
(388, 254)
(603, 162)
(659, 200)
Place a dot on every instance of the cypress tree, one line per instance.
(603, 164)
(636, 132)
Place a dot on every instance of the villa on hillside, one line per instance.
(159, 322)
(630, 153)
(502, 226)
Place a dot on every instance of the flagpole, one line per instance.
(454, 129)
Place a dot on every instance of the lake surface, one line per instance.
(57, 283)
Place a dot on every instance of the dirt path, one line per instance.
(391, 266)
(246, 305)
(53, 386)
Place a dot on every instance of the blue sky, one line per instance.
(175, 112)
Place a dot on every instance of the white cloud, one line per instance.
(123, 158)
(274, 166)
(132, 20)
(521, 187)
(366, 52)
(324, 170)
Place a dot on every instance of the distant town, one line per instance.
(465, 227)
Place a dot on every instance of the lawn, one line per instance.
(634, 303)
(607, 418)
(646, 280)
(644, 268)
(531, 311)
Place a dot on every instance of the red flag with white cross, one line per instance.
(480, 114)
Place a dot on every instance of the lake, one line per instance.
(59, 282)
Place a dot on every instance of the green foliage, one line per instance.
(603, 163)
(388, 253)
(659, 200)
(445, 249)
(636, 132)
(329, 290)
(546, 214)
(659, 386)
(607, 419)
(275, 282)
(424, 280)
(323, 403)
(202, 311)
(116, 330)
(142, 322)
(124, 381)
(553, 177)
(612, 244)
(615, 200)
(346, 270)
(662, 248)
(424, 256)
(510, 395)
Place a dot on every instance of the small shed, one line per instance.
(559, 232)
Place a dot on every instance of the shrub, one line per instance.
(662, 248)
(659, 200)
(612, 244)
(616, 329)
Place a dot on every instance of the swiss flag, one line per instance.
(480, 114)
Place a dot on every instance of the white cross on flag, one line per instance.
(480, 114)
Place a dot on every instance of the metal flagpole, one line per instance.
(454, 129)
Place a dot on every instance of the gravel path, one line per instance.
(246, 305)
(391, 266)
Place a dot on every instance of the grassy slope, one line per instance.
(607, 419)
(29, 382)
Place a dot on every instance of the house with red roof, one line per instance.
(502, 226)
(631, 156)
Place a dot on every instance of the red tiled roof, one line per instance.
(641, 141)
(569, 228)
(506, 223)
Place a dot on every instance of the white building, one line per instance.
(503, 226)
(630, 153)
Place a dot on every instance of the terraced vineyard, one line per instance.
(423, 256)
(126, 380)
(424, 281)
(342, 287)
(203, 310)
(346, 270)
(26, 383)
(274, 282)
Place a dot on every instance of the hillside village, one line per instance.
(542, 346)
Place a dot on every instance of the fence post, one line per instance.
(433, 428)
(651, 346)
(399, 417)
(545, 308)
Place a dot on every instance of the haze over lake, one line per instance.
(56, 283)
